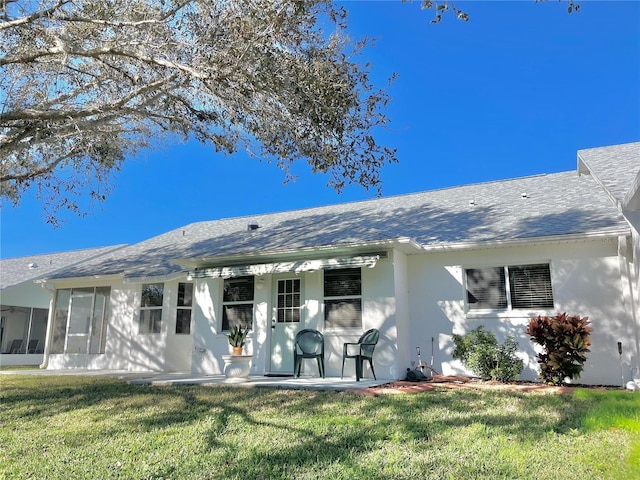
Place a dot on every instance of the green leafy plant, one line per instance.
(480, 352)
(565, 341)
(237, 336)
(508, 366)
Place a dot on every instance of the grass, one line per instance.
(89, 428)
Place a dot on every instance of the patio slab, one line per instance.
(254, 381)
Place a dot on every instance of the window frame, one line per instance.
(288, 307)
(151, 322)
(184, 308)
(543, 287)
(240, 303)
(507, 272)
(97, 326)
(328, 300)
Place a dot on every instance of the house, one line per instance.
(25, 304)
(418, 267)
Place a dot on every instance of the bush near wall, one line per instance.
(480, 352)
(565, 341)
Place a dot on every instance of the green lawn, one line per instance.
(96, 428)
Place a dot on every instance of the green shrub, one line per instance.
(565, 341)
(480, 352)
(508, 367)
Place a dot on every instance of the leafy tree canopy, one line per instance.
(86, 83)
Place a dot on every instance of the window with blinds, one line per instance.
(530, 286)
(509, 287)
(343, 298)
(237, 303)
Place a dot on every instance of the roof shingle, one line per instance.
(14, 271)
(526, 208)
(616, 168)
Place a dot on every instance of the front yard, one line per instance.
(54, 427)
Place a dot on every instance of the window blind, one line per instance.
(530, 286)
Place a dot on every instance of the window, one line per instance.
(486, 288)
(183, 313)
(237, 303)
(288, 309)
(510, 287)
(151, 308)
(80, 320)
(530, 286)
(343, 298)
(22, 329)
(99, 320)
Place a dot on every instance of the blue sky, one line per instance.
(516, 91)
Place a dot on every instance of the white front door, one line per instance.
(285, 323)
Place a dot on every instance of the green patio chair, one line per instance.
(309, 343)
(365, 347)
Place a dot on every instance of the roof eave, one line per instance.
(64, 281)
(519, 242)
(403, 243)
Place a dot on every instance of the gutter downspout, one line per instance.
(50, 317)
(628, 291)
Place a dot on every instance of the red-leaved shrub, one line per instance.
(565, 340)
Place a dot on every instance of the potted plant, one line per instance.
(237, 336)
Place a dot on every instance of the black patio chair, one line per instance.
(309, 343)
(34, 346)
(365, 347)
(15, 347)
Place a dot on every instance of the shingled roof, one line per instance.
(536, 208)
(14, 271)
(615, 168)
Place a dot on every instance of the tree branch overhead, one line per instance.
(257, 74)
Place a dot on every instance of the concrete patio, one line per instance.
(174, 379)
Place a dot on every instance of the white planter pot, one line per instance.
(237, 367)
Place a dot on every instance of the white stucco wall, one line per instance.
(208, 344)
(120, 329)
(7, 360)
(632, 265)
(585, 279)
(378, 312)
(409, 298)
(403, 356)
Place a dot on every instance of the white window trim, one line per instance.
(103, 323)
(300, 308)
(184, 307)
(221, 331)
(155, 307)
(508, 312)
(340, 329)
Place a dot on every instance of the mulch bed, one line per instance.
(452, 381)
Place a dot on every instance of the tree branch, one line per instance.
(34, 16)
